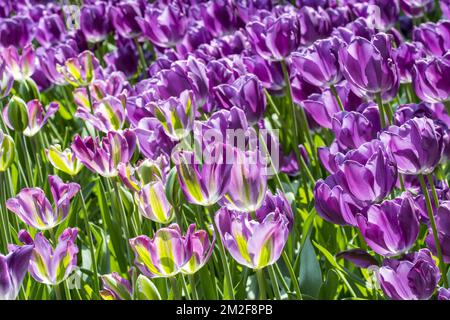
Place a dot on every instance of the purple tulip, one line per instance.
(163, 27)
(202, 249)
(251, 242)
(50, 58)
(430, 80)
(124, 16)
(80, 71)
(50, 30)
(276, 203)
(152, 203)
(50, 265)
(16, 31)
(313, 25)
(368, 173)
(405, 57)
(414, 277)
(390, 228)
(105, 156)
(153, 140)
(445, 8)
(219, 16)
(358, 257)
(21, 66)
(32, 206)
(416, 8)
(6, 81)
(384, 13)
(274, 38)
(204, 182)
(13, 268)
(369, 67)
(268, 72)
(124, 58)
(165, 254)
(434, 37)
(319, 65)
(115, 287)
(443, 228)
(94, 21)
(333, 204)
(443, 294)
(31, 117)
(416, 146)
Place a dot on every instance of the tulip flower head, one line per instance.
(7, 151)
(13, 268)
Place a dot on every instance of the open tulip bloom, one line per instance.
(225, 150)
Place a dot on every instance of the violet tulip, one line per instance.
(20, 66)
(13, 268)
(94, 21)
(430, 80)
(443, 228)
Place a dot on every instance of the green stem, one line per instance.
(261, 283)
(274, 281)
(176, 291)
(381, 110)
(271, 102)
(338, 99)
(434, 229)
(294, 280)
(223, 256)
(191, 278)
(143, 63)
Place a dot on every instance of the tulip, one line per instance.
(115, 287)
(6, 81)
(202, 249)
(13, 268)
(434, 37)
(313, 25)
(28, 118)
(94, 21)
(105, 156)
(50, 265)
(416, 8)
(51, 58)
(253, 243)
(50, 30)
(108, 114)
(358, 257)
(368, 66)
(152, 203)
(63, 160)
(268, 72)
(219, 17)
(390, 228)
(414, 277)
(274, 38)
(163, 27)
(33, 208)
(368, 173)
(405, 57)
(416, 146)
(165, 254)
(80, 71)
(16, 31)
(430, 80)
(124, 16)
(7, 151)
(21, 67)
(153, 140)
(176, 115)
(443, 294)
(443, 228)
(319, 65)
(276, 203)
(204, 183)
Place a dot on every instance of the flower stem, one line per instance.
(294, 280)
(223, 257)
(381, 110)
(274, 281)
(141, 54)
(191, 278)
(338, 99)
(174, 285)
(434, 229)
(261, 283)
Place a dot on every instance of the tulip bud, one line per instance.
(115, 287)
(80, 71)
(7, 151)
(153, 204)
(63, 160)
(16, 114)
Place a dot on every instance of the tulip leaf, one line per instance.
(146, 290)
(310, 272)
(329, 288)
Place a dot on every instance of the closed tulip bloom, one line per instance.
(16, 31)
(276, 203)
(416, 8)
(163, 27)
(434, 37)
(176, 115)
(202, 249)
(104, 157)
(443, 228)
(390, 228)
(80, 71)
(115, 287)
(22, 66)
(153, 141)
(274, 38)
(219, 16)
(333, 204)
(319, 65)
(152, 203)
(204, 183)
(13, 268)
(124, 16)
(405, 57)
(7, 151)
(268, 72)
(50, 30)
(430, 79)
(414, 277)
(368, 173)
(51, 58)
(94, 21)
(416, 146)
(313, 25)
(32, 206)
(28, 118)
(108, 114)
(63, 160)
(165, 254)
(443, 294)
(369, 67)
(248, 182)
(52, 265)
(253, 243)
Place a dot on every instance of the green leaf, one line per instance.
(146, 290)
(328, 256)
(329, 288)
(310, 272)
